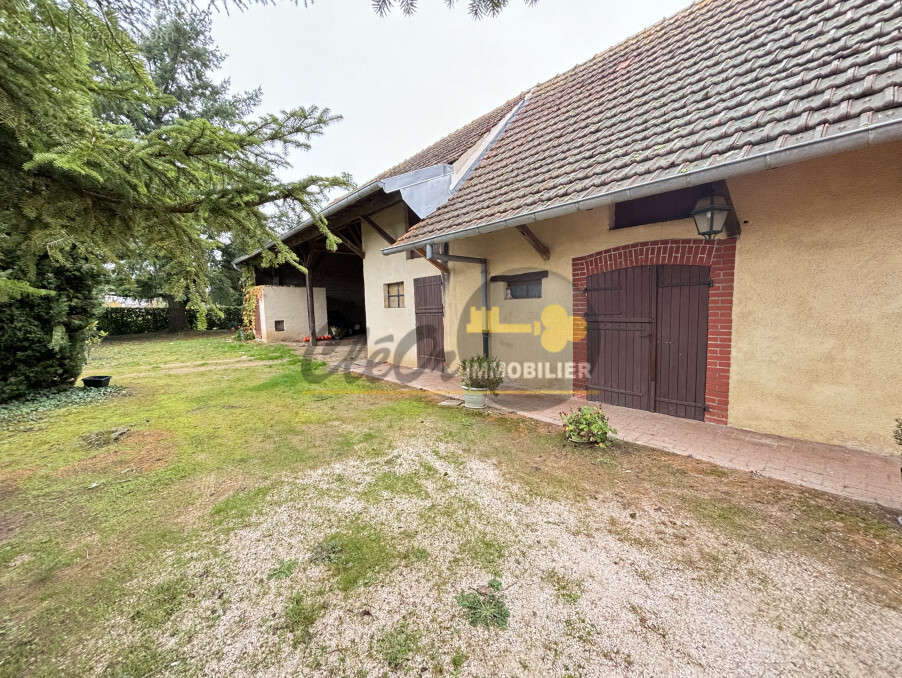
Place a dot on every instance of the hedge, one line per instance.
(117, 321)
(42, 337)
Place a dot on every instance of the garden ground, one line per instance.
(241, 511)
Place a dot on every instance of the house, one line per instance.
(562, 229)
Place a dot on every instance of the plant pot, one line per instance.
(96, 381)
(474, 398)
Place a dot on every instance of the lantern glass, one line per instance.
(710, 215)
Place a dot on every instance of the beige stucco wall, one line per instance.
(510, 253)
(390, 331)
(290, 304)
(817, 313)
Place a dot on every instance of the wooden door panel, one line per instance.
(681, 340)
(430, 322)
(620, 328)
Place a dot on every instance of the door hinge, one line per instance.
(706, 283)
(601, 289)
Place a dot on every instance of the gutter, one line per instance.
(807, 150)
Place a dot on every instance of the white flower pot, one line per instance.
(474, 398)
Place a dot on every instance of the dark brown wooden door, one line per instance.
(681, 341)
(430, 322)
(647, 338)
(620, 323)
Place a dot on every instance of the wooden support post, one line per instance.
(311, 312)
(537, 244)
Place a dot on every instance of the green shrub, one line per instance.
(42, 336)
(119, 320)
(897, 434)
(588, 425)
(481, 372)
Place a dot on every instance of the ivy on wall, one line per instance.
(252, 294)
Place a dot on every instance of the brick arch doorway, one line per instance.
(659, 323)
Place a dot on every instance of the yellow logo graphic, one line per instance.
(556, 327)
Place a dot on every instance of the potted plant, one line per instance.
(588, 425)
(478, 375)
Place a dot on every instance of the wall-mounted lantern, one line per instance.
(710, 215)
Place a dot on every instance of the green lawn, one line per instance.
(263, 500)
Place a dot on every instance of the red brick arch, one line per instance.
(720, 256)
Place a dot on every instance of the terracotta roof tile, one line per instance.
(452, 147)
(720, 80)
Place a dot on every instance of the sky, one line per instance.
(401, 83)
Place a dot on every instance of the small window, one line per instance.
(524, 290)
(522, 285)
(394, 295)
(280, 325)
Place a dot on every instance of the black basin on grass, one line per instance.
(96, 381)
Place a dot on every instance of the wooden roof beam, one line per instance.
(533, 240)
(381, 231)
(438, 264)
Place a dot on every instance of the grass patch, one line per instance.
(485, 606)
(724, 515)
(283, 570)
(398, 645)
(141, 659)
(241, 505)
(356, 556)
(486, 552)
(389, 484)
(163, 601)
(568, 589)
(458, 659)
(417, 554)
(301, 612)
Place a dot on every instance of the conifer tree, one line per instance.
(180, 56)
(77, 184)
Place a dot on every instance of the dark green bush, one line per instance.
(117, 321)
(231, 318)
(42, 337)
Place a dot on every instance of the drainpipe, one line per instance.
(431, 253)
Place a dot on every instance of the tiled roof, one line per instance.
(720, 81)
(450, 148)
